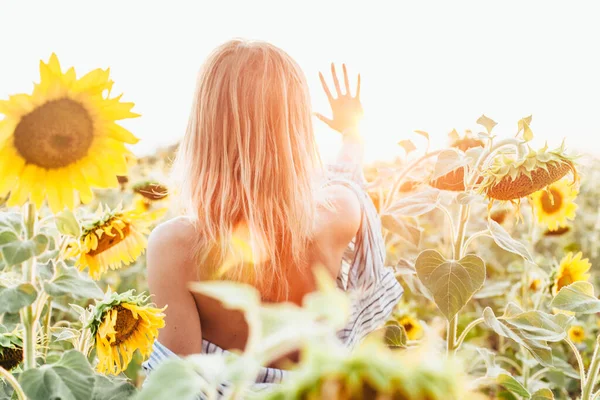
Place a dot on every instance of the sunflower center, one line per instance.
(565, 280)
(105, 242)
(10, 358)
(408, 326)
(55, 134)
(551, 202)
(126, 324)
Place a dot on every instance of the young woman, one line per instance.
(248, 168)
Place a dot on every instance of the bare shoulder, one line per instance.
(340, 211)
(170, 247)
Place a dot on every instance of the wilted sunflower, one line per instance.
(62, 138)
(453, 181)
(510, 180)
(558, 232)
(113, 239)
(11, 350)
(121, 324)
(576, 334)
(466, 142)
(412, 327)
(555, 205)
(571, 269)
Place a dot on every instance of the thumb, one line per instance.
(328, 121)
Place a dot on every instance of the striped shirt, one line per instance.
(374, 287)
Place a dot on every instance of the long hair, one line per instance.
(249, 157)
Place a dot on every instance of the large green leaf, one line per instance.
(513, 385)
(13, 298)
(173, 379)
(232, 295)
(415, 204)
(67, 224)
(505, 241)
(69, 281)
(451, 282)
(18, 251)
(531, 329)
(395, 335)
(577, 297)
(448, 161)
(403, 228)
(11, 221)
(106, 388)
(71, 378)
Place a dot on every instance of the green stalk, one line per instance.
(592, 374)
(27, 313)
(13, 382)
(47, 321)
(451, 336)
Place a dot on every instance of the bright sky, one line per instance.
(425, 65)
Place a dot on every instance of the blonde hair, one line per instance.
(249, 157)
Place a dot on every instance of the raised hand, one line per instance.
(346, 110)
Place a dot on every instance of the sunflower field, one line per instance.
(494, 241)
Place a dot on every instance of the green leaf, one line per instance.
(543, 394)
(67, 224)
(447, 161)
(69, 281)
(531, 329)
(17, 252)
(13, 298)
(173, 379)
(407, 145)
(106, 388)
(578, 297)
(486, 122)
(424, 134)
(232, 295)
(395, 335)
(505, 241)
(406, 230)
(523, 125)
(415, 204)
(12, 221)
(513, 385)
(451, 282)
(71, 378)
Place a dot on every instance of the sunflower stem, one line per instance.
(404, 173)
(464, 333)
(579, 361)
(451, 336)
(14, 383)
(592, 373)
(27, 313)
(47, 321)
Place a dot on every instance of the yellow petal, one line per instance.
(119, 133)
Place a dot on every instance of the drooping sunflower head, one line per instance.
(11, 350)
(510, 179)
(572, 268)
(576, 334)
(555, 205)
(63, 138)
(112, 239)
(121, 324)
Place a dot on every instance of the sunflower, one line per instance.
(62, 138)
(113, 239)
(411, 326)
(556, 204)
(121, 324)
(558, 232)
(11, 350)
(571, 269)
(453, 181)
(510, 180)
(576, 334)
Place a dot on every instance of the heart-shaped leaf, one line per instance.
(543, 394)
(486, 122)
(451, 282)
(505, 241)
(512, 385)
(67, 224)
(577, 297)
(405, 229)
(18, 251)
(13, 298)
(447, 161)
(68, 281)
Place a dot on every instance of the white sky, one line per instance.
(425, 65)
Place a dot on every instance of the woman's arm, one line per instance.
(170, 267)
(346, 112)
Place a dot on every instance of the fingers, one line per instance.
(336, 83)
(324, 119)
(325, 88)
(358, 88)
(346, 80)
